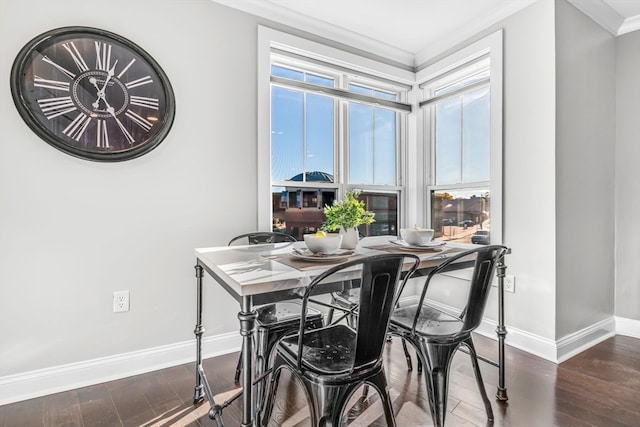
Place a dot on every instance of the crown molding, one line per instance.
(606, 17)
(597, 10)
(630, 24)
(268, 10)
(469, 31)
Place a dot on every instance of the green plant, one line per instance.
(347, 213)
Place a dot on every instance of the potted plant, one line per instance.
(347, 215)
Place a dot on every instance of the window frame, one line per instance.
(272, 43)
(490, 47)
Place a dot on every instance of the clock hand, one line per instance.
(100, 93)
(110, 74)
(124, 130)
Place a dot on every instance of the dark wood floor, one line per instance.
(599, 387)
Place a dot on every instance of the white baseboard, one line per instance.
(579, 341)
(14, 388)
(554, 351)
(628, 327)
(522, 340)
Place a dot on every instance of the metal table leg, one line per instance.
(202, 388)
(501, 331)
(247, 318)
(198, 395)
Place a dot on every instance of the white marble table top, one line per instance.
(255, 269)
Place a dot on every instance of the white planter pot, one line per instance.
(350, 238)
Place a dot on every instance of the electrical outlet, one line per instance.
(510, 284)
(120, 301)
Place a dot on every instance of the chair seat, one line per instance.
(285, 314)
(272, 323)
(330, 350)
(432, 323)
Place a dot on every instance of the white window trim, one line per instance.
(269, 38)
(491, 45)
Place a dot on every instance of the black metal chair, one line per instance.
(274, 320)
(436, 335)
(332, 362)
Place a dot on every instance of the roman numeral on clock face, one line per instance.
(54, 107)
(103, 56)
(141, 101)
(124, 70)
(77, 58)
(102, 138)
(143, 123)
(139, 82)
(125, 132)
(50, 84)
(59, 67)
(77, 127)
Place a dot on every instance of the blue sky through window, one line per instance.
(303, 128)
(463, 138)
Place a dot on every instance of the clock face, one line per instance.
(92, 94)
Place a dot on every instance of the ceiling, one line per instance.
(411, 31)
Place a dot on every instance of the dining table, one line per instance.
(267, 273)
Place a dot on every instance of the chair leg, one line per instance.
(328, 403)
(236, 378)
(406, 355)
(265, 342)
(476, 369)
(379, 381)
(365, 390)
(269, 400)
(352, 320)
(437, 360)
(329, 316)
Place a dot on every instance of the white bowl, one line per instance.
(323, 244)
(416, 236)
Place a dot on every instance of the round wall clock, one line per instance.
(92, 94)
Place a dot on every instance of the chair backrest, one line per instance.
(485, 259)
(380, 278)
(261, 238)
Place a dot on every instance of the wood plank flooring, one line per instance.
(597, 388)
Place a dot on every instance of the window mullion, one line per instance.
(304, 137)
(341, 93)
(343, 131)
(461, 179)
(457, 92)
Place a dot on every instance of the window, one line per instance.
(330, 121)
(332, 130)
(463, 120)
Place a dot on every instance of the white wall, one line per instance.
(627, 177)
(585, 142)
(74, 231)
(529, 174)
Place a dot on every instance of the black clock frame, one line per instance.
(49, 38)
